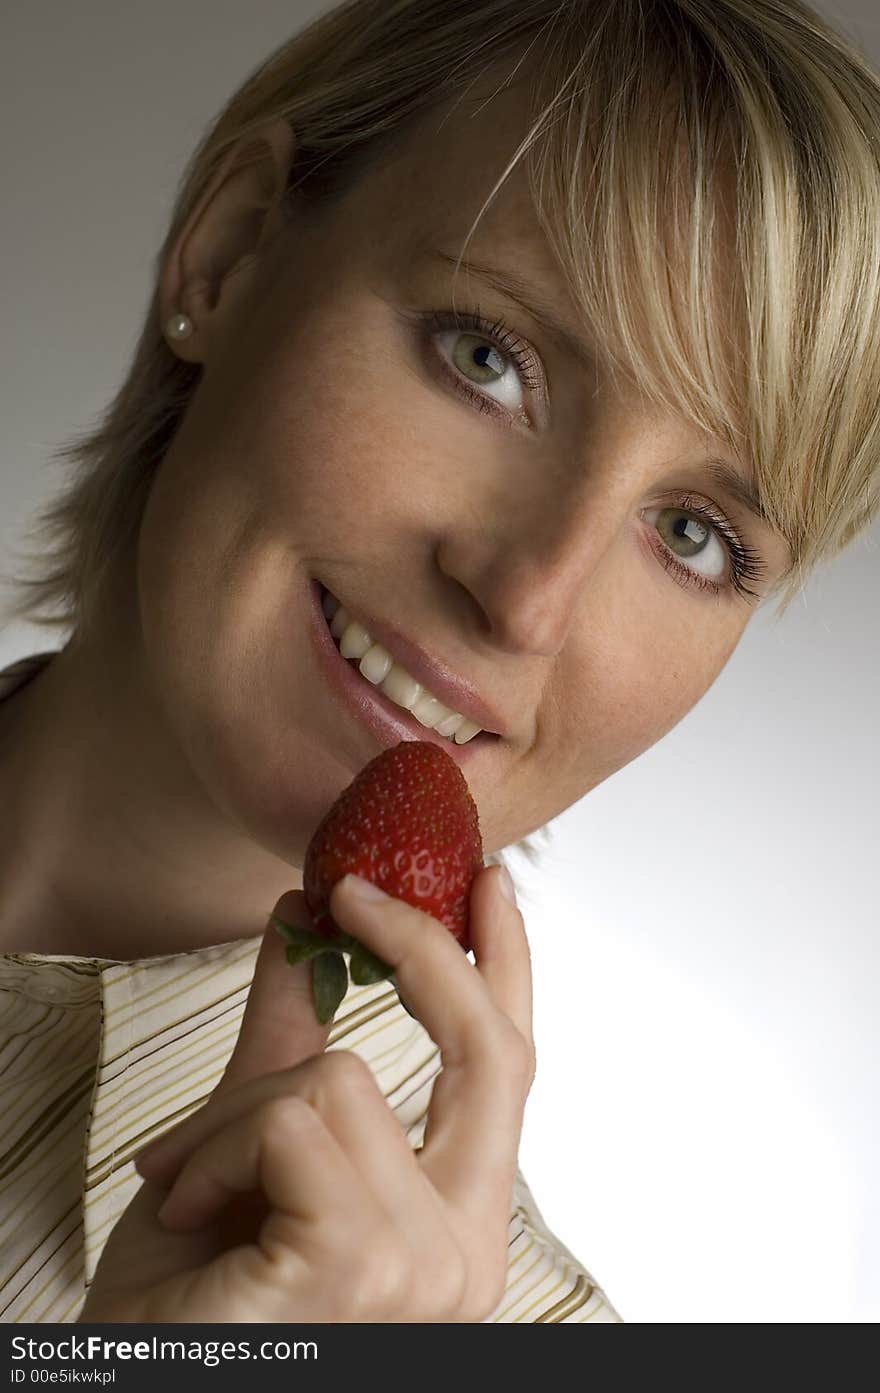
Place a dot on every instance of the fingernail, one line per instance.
(364, 889)
(505, 885)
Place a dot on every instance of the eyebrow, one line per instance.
(510, 285)
(738, 487)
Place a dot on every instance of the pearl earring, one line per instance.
(179, 326)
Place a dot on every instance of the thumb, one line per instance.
(279, 1028)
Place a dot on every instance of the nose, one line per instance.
(531, 563)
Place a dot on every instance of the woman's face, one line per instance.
(523, 543)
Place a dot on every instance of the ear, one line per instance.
(233, 219)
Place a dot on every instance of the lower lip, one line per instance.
(388, 722)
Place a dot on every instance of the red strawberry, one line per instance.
(408, 823)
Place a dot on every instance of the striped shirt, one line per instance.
(99, 1056)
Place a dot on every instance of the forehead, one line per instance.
(441, 176)
(459, 167)
(430, 189)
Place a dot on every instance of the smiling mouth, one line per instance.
(392, 684)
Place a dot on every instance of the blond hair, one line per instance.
(792, 384)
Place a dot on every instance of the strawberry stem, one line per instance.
(303, 944)
(305, 938)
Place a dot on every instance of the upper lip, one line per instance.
(454, 691)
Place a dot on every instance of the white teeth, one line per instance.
(466, 732)
(378, 667)
(401, 688)
(341, 621)
(375, 664)
(429, 712)
(450, 725)
(354, 641)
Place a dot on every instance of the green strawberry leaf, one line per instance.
(294, 935)
(366, 967)
(301, 952)
(311, 937)
(329, 984)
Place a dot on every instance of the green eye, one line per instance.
(476, 356)
(687, 523)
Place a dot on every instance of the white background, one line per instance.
(702, 1132)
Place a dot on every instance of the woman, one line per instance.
(513, 331)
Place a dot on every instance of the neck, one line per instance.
(109, 844)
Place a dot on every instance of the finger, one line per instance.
(352, 1106)
(422, 954)
(390, 1191)
(281, 1148)
(501, 949)
(475, 1115)
(279, 1027)
(278, 1030)
(342, 1089)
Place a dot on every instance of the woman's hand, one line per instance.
(293, 1195)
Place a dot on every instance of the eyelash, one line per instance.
(745, 563)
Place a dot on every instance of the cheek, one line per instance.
(341, 436)
(669, 672)
(193, 524)
(632, 691)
